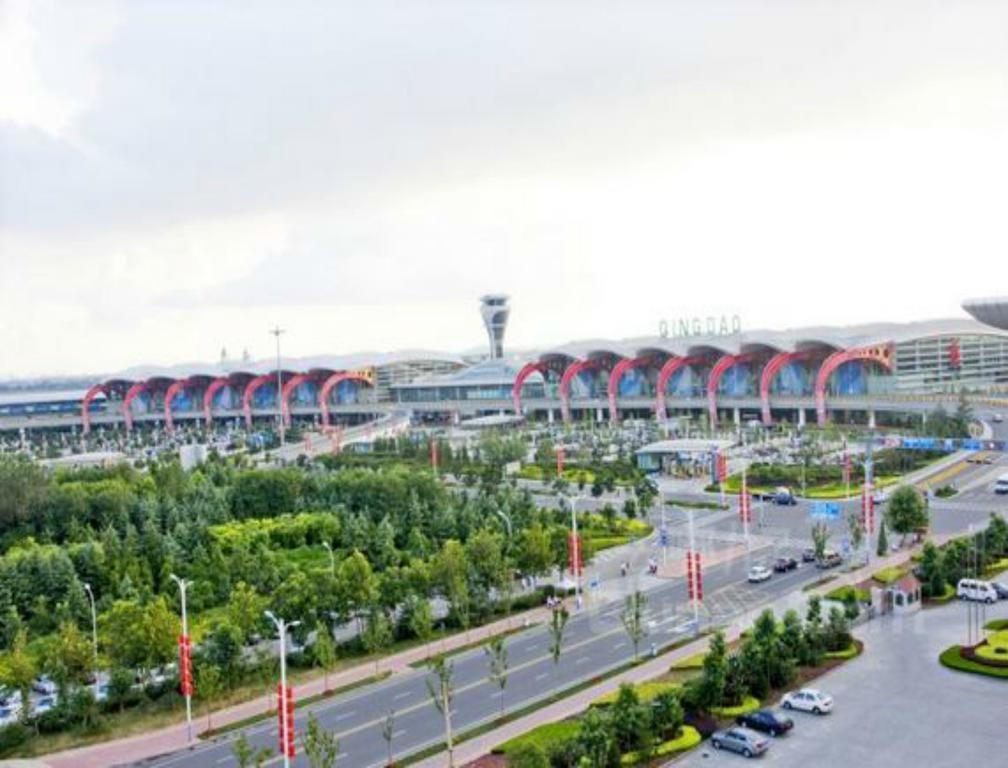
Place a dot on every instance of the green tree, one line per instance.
(450, 572)
(856, 531)
(421, 619)
(497, 660)
(18, 668)
(324, 652)
(356, 586)
(245, 609)
(596, 741)
(556, 627)
(628, 719)
(715, 670)
(906, 512)
(882, 546)
(527, 756)
(813, 633)
(932, 571)
(667, 714)
(209, 685)
(139, 636)
(535, 550)
(820, 537)
(633, 619)
(321, 747)
(377, 634)
(68, 656)
(246, 756)
(442, 695)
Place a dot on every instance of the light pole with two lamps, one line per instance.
(282, 627)
(184, 584)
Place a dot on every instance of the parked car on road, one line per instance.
(972, 589)
(759, 573)
(808, 700)
(741, 740)
(44, 685)
(766, 721)
(43, 705)
(784, 564)
(808, 555)
(829, 560)
(1001, 589)
(784, 497)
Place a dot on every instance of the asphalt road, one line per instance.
(594, 641)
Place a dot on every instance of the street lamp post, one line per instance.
(332, 557)
(184, 584)
(575, 553)
(282, 627)
(94, 635)
(278, 331)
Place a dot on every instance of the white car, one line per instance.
(981, 591)
(759, 573)
(808, 700)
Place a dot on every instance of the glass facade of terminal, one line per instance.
(928, 365)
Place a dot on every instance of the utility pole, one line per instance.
(286, 728)
(183, 584)
(94, 636)
(278, 332)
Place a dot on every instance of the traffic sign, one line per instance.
(829, 510)
(663, 536)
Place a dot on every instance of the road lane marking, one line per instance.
(345, 715)
(402, 695)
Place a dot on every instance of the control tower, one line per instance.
(495, 311)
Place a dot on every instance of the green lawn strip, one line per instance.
(688, 738)
(995, 648)
(690, 662)
(840, 594)
(646, 692)
(748, 704)
(996, 568)
(846, 654)
(890, 575)
(947, 596)
(489, 725)
(996, 625)
(819, 583)
(713, 505)
(469, 646)
(298, 703)
(952, 659)
(541, 737)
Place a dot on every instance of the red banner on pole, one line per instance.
(291, 750)
(698, 573)
(575, 560)
(722, 467)
(560, 461)
(745, 502)
(185, 666)
(434, 455)
(689, 573)
(867, 510)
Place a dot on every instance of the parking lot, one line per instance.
(896, 705)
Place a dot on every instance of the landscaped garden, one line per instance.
(988, 657)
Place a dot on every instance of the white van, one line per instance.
(1001, 485)
(971, 589)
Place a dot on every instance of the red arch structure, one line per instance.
(89, 396)
(526, 370)
(616, 375)
(569, 373)
(721, 367)
(770, 371)
(250, 389)
(879, 353)
(288, 389)
(173, 389)
(671, 365)
(212, 389)
(131, 394)
(330, 383)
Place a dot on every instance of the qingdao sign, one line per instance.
(690, 327)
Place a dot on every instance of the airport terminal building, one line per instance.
(796, 375)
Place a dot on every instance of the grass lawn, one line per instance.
(996, 568)
(948, 595)
(690, 662)
(996, 647)
(846, 654)
(996, 625)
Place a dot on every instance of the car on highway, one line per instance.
(766, 721)
(784, 564)
(1001, 588)
(808, 555)
(43, 705)
(829, 560)
(808, 700)
(44, 685)
(758, 574)
(741, 740)
(997, 418)
(1001, 485)
(784, 497)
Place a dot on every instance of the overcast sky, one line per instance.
(176, 177)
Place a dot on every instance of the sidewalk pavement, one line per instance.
(172, 738)
(475, 748)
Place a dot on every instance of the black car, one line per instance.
(784, 564)
(766, 721)
(1001, 589)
